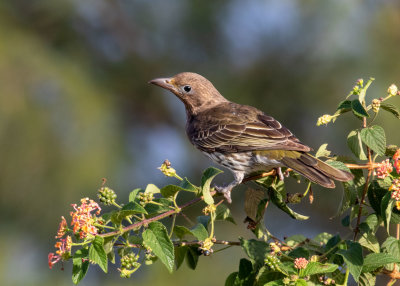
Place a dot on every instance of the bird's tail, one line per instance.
(316, 171)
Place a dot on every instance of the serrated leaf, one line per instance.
(224, 213)
(162, 206)
(97, 253)
(369, 240)
(392, 246)
(322, 151)
(156, 237)
(231, 279)
(180, 254)
(374, 137)
(345, 104)
(80, 266)
(367, 279)
(169, 190)
(299, 252)
(375, 260)
(348, 199)
(200, 232)
(132, 208)
(153, 189)
(375, 195)
(188, 186)
(386, 209)
(353, 258)
(252, 199)
(265, 275)
(277, 199)
(319, 268)
(358, 109)
(133, 194)
(208, 175)
(255, 250)
(391, 108)
(192, 257)
(181, 231)
(245, 268)
(355, 144)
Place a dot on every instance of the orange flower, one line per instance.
(384, 169)
(62, 228)
(82, 218)
(64, 251)
(396, 158)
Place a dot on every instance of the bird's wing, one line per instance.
(258, 132)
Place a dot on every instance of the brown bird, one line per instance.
(242, 138)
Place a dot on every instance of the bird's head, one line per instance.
(194, 90)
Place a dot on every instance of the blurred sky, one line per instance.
(75, 105)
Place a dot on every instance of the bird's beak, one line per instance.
(166, 83)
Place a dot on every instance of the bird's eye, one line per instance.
(187, 88)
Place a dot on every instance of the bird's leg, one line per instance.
(226, 190)
(280, 174)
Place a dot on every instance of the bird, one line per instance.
(242, 138)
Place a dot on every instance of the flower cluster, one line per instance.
(392, 90)
(107, 196)
(324, 119)
(396, 159)
(300, 263)
(82, 218)
(376, 103)
(384, 169)
(82, 222)
(63, 252)
(395, 189)
(272, 262)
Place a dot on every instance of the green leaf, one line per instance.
(353, 257)
(301, 282)
(230, 280)
(386, 209)
(299, 252)
(265, 275)
(375, 195)
(151, 188)
(322, 151)
(348, 199)
(180, 253)
(156, 237)
(295, 239)
(200, 232)
(192, 257)
(224, 213)
(188, 186)
(391, 108)
(80, 267)
(369, 240)
(170, 190)
(153, 209)
(345, 104)
(374, 137)
(355, 144)
(275, 283)
(391, 246)
(358, 109)
(245, 271)
(255, 250)
(319, 268)
(181, 231)
(376, 260)
(204, 220)
(132, 208)
(133, 194)
(367, 279)
(322, 238)
(277, 199)
(208, 176)
(97, 253)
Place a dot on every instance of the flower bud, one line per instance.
(376, 103)
(392, 90)
(106, 195)
(324, 119)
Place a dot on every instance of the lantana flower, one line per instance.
(82, 218)
(63, 253)
(300, 263)
(396, 159)
(384, 169)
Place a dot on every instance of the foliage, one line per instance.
(137, 234)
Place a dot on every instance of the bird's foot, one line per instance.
(226, 191)
(280, 174)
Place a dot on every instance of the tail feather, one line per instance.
(317, 171)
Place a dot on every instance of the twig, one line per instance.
(183, 243)
(158, 217)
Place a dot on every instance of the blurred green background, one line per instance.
(75, 106)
